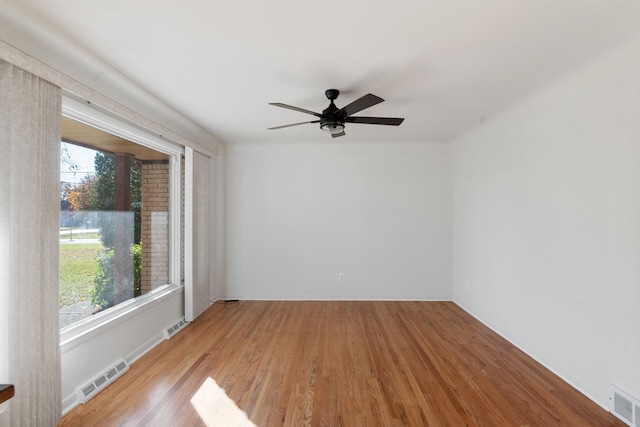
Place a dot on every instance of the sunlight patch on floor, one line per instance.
(216, 408)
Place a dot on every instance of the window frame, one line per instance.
(88, 114)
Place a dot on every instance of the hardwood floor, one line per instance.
(338, 364)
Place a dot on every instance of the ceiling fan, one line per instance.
(333, 118)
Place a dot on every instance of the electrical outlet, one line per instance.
(340, 277)
(466, 284)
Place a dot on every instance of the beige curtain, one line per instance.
(199, 192)
(30, 111)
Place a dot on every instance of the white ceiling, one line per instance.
(443, 65)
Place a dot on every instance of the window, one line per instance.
(117, 219)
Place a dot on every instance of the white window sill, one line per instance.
(79, 332)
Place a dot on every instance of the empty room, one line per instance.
(418, 213)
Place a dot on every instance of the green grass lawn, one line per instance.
(78, 267)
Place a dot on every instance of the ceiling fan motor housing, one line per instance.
(331, 118)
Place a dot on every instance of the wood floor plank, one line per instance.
(330, 363)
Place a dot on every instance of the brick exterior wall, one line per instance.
(155, 225)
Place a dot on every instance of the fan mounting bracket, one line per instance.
(332, 94)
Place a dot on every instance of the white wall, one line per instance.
(547, 224)
(297, 215)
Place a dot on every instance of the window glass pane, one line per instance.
(114, 227)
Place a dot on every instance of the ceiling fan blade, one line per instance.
(291, 107)
(335, 135)
(391, 121)
(293, 124)
(360, 104)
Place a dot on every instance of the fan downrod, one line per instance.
(332, 94)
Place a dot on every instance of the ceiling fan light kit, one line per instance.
(333, 119)
(333, 127)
